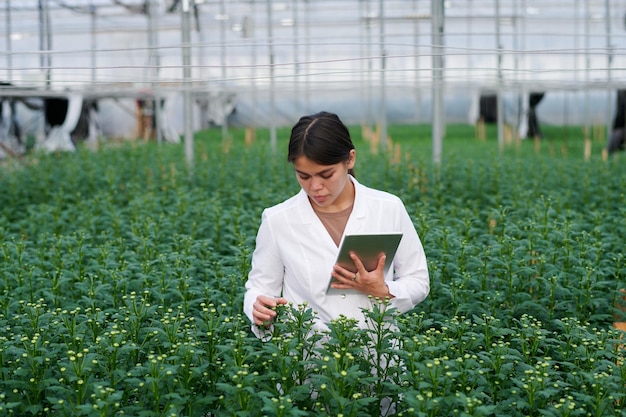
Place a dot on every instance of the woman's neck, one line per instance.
(344, 201)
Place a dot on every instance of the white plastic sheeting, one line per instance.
(328, 54)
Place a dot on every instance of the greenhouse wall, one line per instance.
(262, 63)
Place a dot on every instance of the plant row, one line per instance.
(122, 273)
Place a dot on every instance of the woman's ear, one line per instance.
(352, 159)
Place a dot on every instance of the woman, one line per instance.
(298, 240)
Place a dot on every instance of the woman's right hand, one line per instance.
(264, 309)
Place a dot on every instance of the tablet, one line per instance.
(368, 248)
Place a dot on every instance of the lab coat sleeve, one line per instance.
(267, 271)
(411, 282)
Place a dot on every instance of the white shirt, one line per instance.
(294, 256)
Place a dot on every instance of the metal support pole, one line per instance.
(249, 31)
(437, 58)
(470, 38)
(155, 64)
(201, 56)
(9, 46)
(576, 102)
(416, 43)
(522, 76)
(223, 22)
(383, 92)
(516, 48)
(45, 43)
(270, 41)
(296, 60)
(187, 108)
(307, 55)
(92, 11)
(44, 58)
(42, 35)
(587, 17)
(48, 45)
(368, 54)
(609, 64)
(499, 103)
(362, 90)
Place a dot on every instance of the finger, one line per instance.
(357, 262)
(261, 318)
(281, 300)
(263, 315)
(270, 302)
(339, 280)
(264, 307)
(342, 274)
(263, 311)
(265, 301)
(381, 262)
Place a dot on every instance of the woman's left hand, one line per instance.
(368, 282)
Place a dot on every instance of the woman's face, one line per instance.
(327, 186)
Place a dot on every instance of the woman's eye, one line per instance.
(327, 176)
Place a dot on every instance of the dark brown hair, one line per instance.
(321, 137)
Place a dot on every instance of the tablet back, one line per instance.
(368, 248)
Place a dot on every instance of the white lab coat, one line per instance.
(294, 256)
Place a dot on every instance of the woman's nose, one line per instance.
(316, 183)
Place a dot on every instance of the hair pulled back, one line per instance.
(321, 137)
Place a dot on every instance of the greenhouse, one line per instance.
(144, 146)
(263, 63)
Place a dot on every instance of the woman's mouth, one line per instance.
(319, 199)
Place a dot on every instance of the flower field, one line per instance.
(122, 273)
